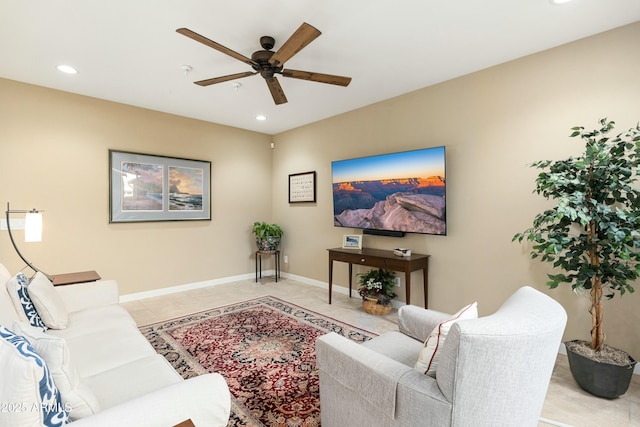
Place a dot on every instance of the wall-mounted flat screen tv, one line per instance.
(396, 192)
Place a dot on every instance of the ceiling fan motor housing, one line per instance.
(265, 69)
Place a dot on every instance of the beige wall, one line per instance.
(493, 124)
(54, 156)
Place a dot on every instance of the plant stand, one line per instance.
(259, 255)
(371, 306)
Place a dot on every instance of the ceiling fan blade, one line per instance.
(217, 46)
(317, 77)
(294, 44)
(221, 79)
(276, 91)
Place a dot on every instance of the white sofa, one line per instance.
(116, 376)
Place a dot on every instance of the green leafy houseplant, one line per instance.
(592, 232)
(263, 229)
(377, 284)
(267, 235)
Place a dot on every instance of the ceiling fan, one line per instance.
(268, 63)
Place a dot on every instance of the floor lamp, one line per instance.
(32, 231)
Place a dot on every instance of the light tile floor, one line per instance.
(565, 405)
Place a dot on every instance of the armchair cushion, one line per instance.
(22, 303)
(428, 360)
(48, 303)
(397, 346)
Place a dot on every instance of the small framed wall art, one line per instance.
(352, 241)
(146, 187)
(302, 187)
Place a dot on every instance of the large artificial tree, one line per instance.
(593, 231)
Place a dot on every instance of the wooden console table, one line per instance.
(71, 278)
(381, 259)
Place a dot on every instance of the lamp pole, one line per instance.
(13, 242)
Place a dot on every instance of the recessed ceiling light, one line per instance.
(559, 1)
(261, 118)
(68, 69)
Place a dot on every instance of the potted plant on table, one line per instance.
(593, 235)
(376, 290)
(267, 236)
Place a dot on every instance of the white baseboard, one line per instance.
(553, 423)
(337, 288)
(181, 288)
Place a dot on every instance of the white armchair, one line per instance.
(493, 371)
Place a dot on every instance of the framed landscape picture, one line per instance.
(146, 187)
(352, 241)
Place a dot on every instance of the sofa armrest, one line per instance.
(82, 296)
(419, 322)
(204, 399)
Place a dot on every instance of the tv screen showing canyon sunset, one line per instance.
(392, 192)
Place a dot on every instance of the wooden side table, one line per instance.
(382, 259)
(259, 255)
(72, 278)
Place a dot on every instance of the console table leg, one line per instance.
(350, 278)
(407, 286)
(330, 277)
(425, 282)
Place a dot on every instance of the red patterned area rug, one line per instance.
(264, 348)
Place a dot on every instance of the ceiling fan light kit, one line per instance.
(268, 63)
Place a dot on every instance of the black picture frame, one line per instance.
(302, 187)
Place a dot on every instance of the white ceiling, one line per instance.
(127, 51)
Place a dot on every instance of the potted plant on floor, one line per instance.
(592, 234)
(267, 236)
(376, 290)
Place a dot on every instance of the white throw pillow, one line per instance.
(17, 288)
(48, 303)
(27, 388)
(428, 360)
(77, 398)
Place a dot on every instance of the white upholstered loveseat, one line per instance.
(110, 376)
(493, 371)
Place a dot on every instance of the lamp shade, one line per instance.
(33, 227)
